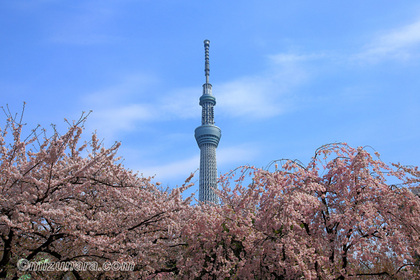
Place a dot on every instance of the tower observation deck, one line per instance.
(208, 137)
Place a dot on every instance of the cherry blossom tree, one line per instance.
(62, 200)
(335, 218)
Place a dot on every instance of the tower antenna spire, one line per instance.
(207, 63)
(208, 137)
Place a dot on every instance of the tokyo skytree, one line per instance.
(208, 137)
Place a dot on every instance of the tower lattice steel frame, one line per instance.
(208, 137)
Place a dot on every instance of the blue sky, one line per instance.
(288, 76)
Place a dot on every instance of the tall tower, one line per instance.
(208, 137)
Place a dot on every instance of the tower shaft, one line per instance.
(208, 137)
(208, 173)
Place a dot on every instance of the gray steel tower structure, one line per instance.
(208, 137)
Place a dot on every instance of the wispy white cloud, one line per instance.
(118, 115)
(181, 169)
(171, 170)
(402, 44)
(115, 108)
(267, 94)
(179, 104)
(250, 97)
(240, 154)
(126, 89)
(125, 117)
